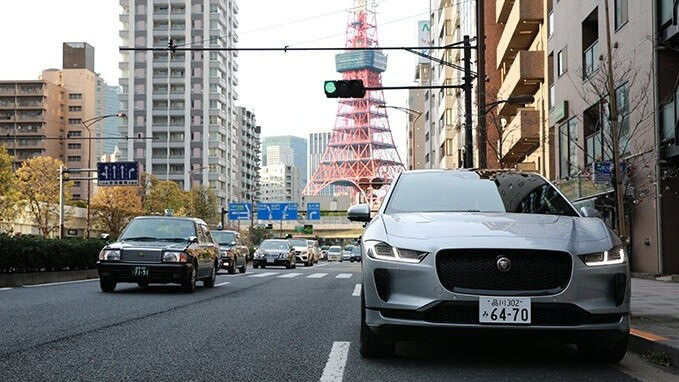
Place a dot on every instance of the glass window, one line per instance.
(562, 62)
(275, 245)
(620, 13)
(568, 148)
(493, 192)
(550, 24)
(159, 229)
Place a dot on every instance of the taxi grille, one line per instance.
(532, 272)
(140, 256)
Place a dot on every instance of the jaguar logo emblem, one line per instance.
(141, 254)
(503, 264)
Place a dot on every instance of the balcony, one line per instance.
(590, 60)
(523, 78)
(521, 27)
(502, 10)
(521, 137)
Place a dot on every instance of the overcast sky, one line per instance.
(285, 90)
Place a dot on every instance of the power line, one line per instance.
(39, 138)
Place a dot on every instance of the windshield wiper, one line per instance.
(139, 238)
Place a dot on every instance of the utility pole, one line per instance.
(61, 201)
(468, 86)
(481, 86)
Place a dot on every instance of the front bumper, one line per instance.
(302, 258)
(157, 273)
(266, 262)
(409, 299)
(226, 262)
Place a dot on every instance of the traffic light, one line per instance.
(344, 89)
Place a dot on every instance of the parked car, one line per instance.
(233, 252)
(487, 251)
(355, 253)
(346, 252)
(315, 250)
(275, 252)
(160, 249)
(335, 253)
(303, 253)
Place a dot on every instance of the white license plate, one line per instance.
(270, 260)
(504, 310)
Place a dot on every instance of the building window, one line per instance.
(73, 134)
(550, 24)
(74, 121)
(552, 96)
(562, 62)
(74, 158)
(75, 108)
(621, 16)
(74, 146)
(75, 96)
(590, 60)
(568, 148)
(622, 95)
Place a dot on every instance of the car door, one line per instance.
(206, 244)
(240, 254)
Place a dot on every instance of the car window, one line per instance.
(159, 229)
(299, 242)
(277, 244)
(224, 237)
(205, 238)
(498, 192)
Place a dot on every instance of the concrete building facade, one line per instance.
(298, 146)
(184, 101)
(318, 143)
(416, 124)
(280, 183)
(249, 148)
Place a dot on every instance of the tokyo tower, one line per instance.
(361, 154)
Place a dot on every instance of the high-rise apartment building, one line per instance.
(184, 101)
(416, 125)
(108, 103)
(318, 143)
(297, 144)
(249, 146)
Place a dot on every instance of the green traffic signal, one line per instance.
(344, 89)
(330, 87)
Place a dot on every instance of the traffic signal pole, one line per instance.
(468, 86)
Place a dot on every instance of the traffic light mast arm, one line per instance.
(417, 87)
(438, 60)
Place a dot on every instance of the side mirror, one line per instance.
(589, 212)
(104, 236)
(359, 213)
(193, 239)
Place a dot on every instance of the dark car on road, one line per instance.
(160, 249)
(274, 252)
(232, 251)
(355, 253)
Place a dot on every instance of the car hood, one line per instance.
(159, 245)
(424, 226)
(272, 251)
(300, 248)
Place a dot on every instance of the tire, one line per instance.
(210, 282)
(288, 265)
(604, 352)
(244, 268)
(263, 266)
(107, 285)
(143, 284)
(371, 346)
(351, 260)
(294, 265)
(255, 266)
(307, 264)
(190, 284)
(232, 268)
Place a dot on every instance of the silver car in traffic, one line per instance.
(462, 252)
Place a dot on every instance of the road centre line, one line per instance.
(357, 290)
(60, 283)
(334, 368)
(317, 275)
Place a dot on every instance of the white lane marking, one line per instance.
(60, 283)
(264, 274)
(224, 283)
(357, 290)
(5, 288)
(317, 275)
(320, 265)
(334, 368)
(289, 275)
(344, 276)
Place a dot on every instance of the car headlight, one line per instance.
(175, 257)
(259, 254)
(283, 255)
(109, 255)
(383, 251)
(615, 255)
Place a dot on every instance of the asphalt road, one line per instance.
(282, 325)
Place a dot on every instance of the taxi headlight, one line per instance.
(109, 255)
(175, 257)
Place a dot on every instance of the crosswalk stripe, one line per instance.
(224, 283)
(344, 276)
(289, 275)
(263, 274)
(357, 290)
(317, 275)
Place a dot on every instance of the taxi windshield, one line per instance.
(159, 229)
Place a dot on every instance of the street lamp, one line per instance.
(516, 100)
(403, 109)
(86, 124)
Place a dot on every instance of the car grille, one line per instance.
(532, 272)
(141, 256)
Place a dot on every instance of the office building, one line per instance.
(280, 183)
(108, 103)
(318, 143)
(184, 101)
(297, 144)
(249, 147)
(276, 154)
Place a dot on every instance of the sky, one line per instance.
(285, 90)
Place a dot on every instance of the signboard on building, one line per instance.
(423, 39)
(239, 211)
(277, 211)
(117, 174)
(313, 211)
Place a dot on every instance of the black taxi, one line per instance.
(160, 249)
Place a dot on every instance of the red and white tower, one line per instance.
(361, 154)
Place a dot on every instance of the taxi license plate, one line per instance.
(270, 260)
(140, 271)
(504, 310)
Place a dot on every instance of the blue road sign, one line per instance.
(117, 174)
(313, 211)
(239, 211)
(277, 211)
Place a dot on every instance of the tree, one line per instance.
(38, 183)
(165, 195)
(113, 207)
(203, 204)
(9, 194)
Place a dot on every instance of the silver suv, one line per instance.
(490, 251)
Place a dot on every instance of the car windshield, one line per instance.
(356, 250)
(159, 229)
(496, 192)
(299, 242)
(334, 249)
(224, 238)
(274, 244)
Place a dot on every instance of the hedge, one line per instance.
(36, 254)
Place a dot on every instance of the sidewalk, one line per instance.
(655, 317)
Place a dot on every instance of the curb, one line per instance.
(643, 342)
(656, 277)
(19, 279)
